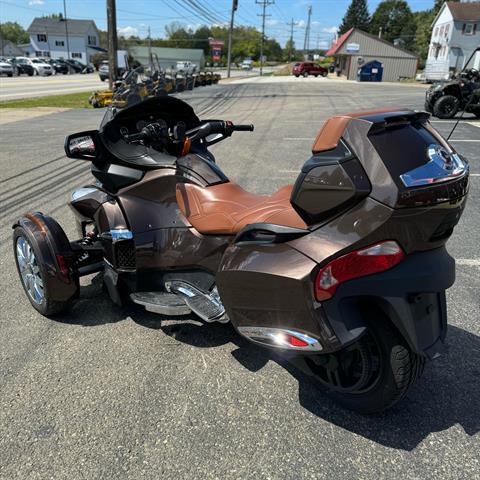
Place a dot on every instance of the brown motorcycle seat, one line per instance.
(226, 208)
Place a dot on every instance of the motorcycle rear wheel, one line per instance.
(372, 374)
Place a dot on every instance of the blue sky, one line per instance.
(134, 16)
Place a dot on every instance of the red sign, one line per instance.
(216, 44)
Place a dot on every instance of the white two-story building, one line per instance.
(455, 35)
(60, 38)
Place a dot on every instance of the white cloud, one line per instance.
(272, 22)
(301, 24)
(330, 30)
(127, 31)
(193, 26)
(36, 2)
(323, 45)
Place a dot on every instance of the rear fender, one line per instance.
(62, 277)
(411, 296)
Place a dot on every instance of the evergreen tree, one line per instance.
(357, 16)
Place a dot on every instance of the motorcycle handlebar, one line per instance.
(154, 131)
(243, 128)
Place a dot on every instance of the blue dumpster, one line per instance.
(370, 72)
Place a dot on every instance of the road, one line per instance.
(28, 87)
(108, 393)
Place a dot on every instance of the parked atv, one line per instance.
(343, 272)
(445, 100)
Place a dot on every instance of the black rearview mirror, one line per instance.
(82, 145)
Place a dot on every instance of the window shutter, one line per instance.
(463, 28)
(474, 28)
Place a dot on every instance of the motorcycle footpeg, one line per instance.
(207, 306)
(163, 303)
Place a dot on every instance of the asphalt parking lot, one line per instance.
(110, 393)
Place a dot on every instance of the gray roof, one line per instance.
(174, 54)
(55, 26)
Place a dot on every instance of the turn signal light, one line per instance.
(374, 259)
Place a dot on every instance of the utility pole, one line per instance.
(291, 25)
(230, 33)
(264, 4)
(150, 60)
(66, 27)
(306, 43)
(112, 42)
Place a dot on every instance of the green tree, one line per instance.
(13, 32)
(396, 21)
(357, 16)
(289, 52)
(423, 23)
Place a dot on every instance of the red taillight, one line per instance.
(373, 259)
(295, 341)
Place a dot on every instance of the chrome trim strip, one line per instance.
(442, 167)
(82, 192)
(274, 337)
(121, 234)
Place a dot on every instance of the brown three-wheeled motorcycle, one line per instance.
(343, 272)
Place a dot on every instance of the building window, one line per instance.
(76, 55)
(42, 37)
(59, 43)
(441, 30)
(469, 29)
(447, 29)
(92, 40)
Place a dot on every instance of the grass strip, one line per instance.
(68, 100)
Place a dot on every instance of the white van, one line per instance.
(247, 64)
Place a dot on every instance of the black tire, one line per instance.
(392, 368)
(10, 74)
(297, 76)
(30, 74)
(324, 74)
(46, 306)
(305, 74)
(446, 107)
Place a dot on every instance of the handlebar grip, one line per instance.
(243, 128)
(133, 137)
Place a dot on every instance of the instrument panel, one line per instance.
(135, 126)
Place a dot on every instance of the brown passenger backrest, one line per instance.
(333, 128)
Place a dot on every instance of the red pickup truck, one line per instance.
(309, 68)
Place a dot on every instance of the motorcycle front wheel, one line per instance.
(372, 374)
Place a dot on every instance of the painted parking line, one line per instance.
(465, 140)
(298, 139)
(469, 262)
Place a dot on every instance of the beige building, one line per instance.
(356, 48)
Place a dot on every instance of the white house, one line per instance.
(60, 38)
(455, 34)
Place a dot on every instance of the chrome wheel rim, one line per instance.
(29, 271)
